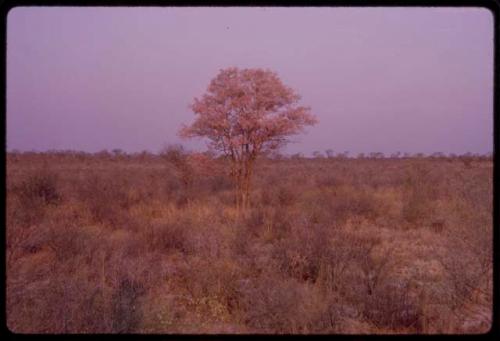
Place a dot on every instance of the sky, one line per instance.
(378, 79)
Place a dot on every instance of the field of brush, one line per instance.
(128, 245)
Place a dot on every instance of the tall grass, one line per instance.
(143, 244)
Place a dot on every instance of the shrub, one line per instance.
(106, 197)
(40, 188)
(335, 207)
(301, 254)
(126, 313)
(34, 195)
(255, 219)
(392, 306)
(417, 205)
(285, 196)
(270, 305)
(329, 181)
(168, 236)
(178, 157)
(220, 183)
(265, 197)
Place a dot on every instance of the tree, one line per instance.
(178, 156)
(244, 113)
(437, 155)
(189, 165)
(343, 155)
(376, 155)
(317, 154)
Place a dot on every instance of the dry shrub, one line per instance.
(182, 199)
(106, 197)
(417, 205)
(461, 283)
(280, 193)
(34, 194)
(126, 313)
(438, 225)
(270, 305)
(161, 312)
(197, 172)
(329, 180)
(266, 198)
(467, 161)
(168, 237)
(255, 220)
(358, 203)
(281, 222)
(22, 240)
(71, 241)
(301, 254)
(244, 234)
(172, 184)
(342, 255)
(285, 196)
(391, 306)
(215, 287)
(416, 208)
(212, 241)
(39, 188)
(264, 222)
(335, 207)
(204, 166)
(477, 190)
(219, 183)
(178, 157)
(69, 303)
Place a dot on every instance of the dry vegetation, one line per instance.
(144, 244)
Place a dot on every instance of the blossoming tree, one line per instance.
(244, 113)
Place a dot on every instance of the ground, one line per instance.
(127, 244)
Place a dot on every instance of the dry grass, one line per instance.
(148, 244)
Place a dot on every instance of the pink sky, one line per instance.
(378, 79)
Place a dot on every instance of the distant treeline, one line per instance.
(328, 154)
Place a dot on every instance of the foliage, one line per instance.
(246, 113)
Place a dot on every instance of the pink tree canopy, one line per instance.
(246, 112)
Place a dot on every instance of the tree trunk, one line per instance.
(242, 176)
(239, 194)
(248, 180)
(237, 175)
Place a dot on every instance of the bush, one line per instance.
(335, 207)
(285, 196)
(39, 189)
(126, 313)
(417, 205)
(178, 157)
(301, 254)
(168, 236)
(220, 183)
(329, 181)
(270, 305)
(107, 198)
(392, 306)
(71, 241)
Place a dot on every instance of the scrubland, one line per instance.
(121, 244)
